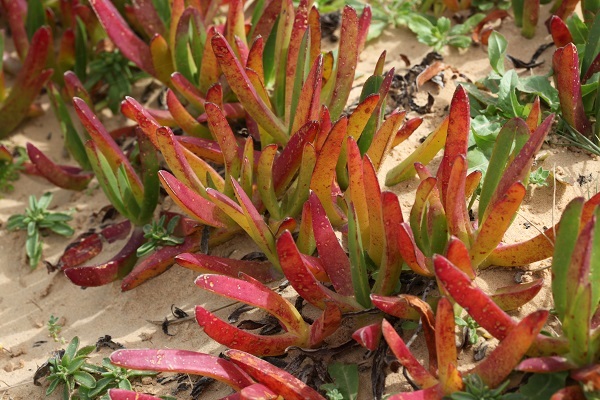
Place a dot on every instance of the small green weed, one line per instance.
(158, 235)
(36, 219)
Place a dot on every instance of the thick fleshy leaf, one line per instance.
(512, 297)
(411, 254)
(294, 64)
(236, 338)
(457, 139)
(565, 63)
(538, 247)
(572, 392)
(182, 361)
(458, 254)
(560, 32)
(301, 278)
(419, 374)
(498, 220)
(324, 172)
(85, 248)
(107, 146)
(30, 80)
(487, 314)
(335, 260)
(391, 264)
(103, 273)
(384, 138)
(279, 381)
(545, 364)
(376, 242)
(125, 39)
(263, 271)
(423, 154)
(252, 292)
(494, 369)
(445, 341)
(368, 336)
(122, 394)
(159, 261)
(347, 60)
(184, 119)
(431, 393)
(238, 80)
(65, 177)
(288, 162)
(455, 205)
(324, 326)
(308, 106)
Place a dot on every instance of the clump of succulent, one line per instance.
(36, 221)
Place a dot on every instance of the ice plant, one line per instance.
(442, 377)
(15, 105)
(133, 196)
(576, 293)
(249, 376)
(441, 205)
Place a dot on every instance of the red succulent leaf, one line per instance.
(203, 263)
(406, 130)
(288, 162)
(324, 171)
(182, 361)
(184, 119)
(458, 254)
(293, 62)
(324, 326)
(119, 32)
(512, 297)
(15, 13)
(565, 63)
(296, 270)
(258, 392)
(279, 381)
(245, 91)
(368, 336)
(251, 291)
(364, 21)
(431, 393)
(496, 367)
(347, 60)
(255, 58)
(487, 313)
(87, 247)
(534, 116)
(560, 32)
(29, 82)
(194, 205)
(573, 392)
(159, 261)
(391, 265)
(545, 364)
(419, 374)
(308, 106)
(62, 176)
(103, 273)
(457, 139)
(445, 342)
(455, 206)
(411, 254)
(335, 260)
(122, 394)
(499, 218)
(588, 376)
(566, 8)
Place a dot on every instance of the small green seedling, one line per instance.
(10, 167)
(476, 389)
(471, 328)
(37, 218)
(539, 177)
(70, 370)
(54, 329)
(112, 377)
(158, 235)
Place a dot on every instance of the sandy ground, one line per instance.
(29, 297)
